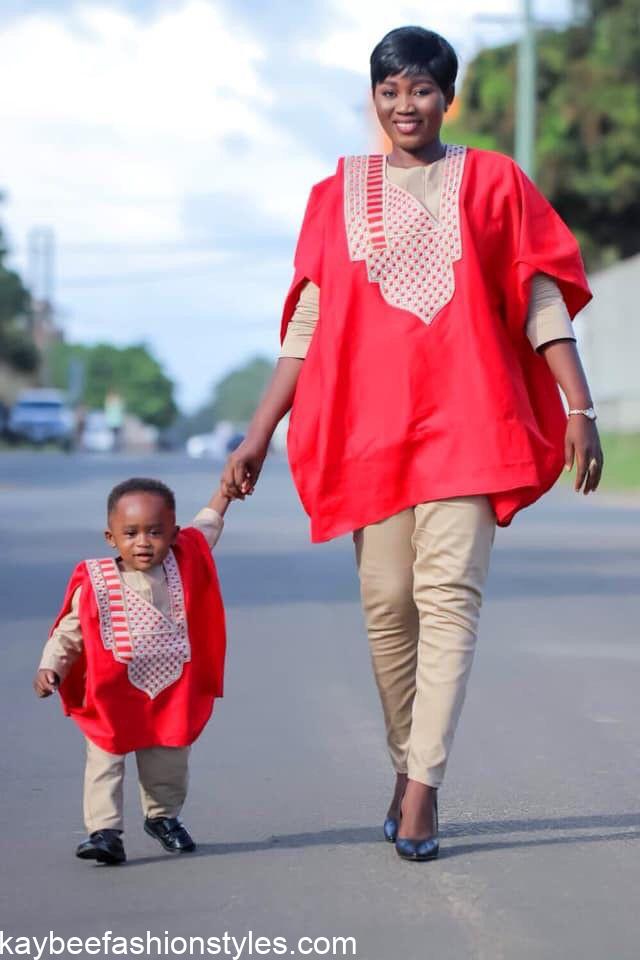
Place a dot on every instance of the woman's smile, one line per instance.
(408, 126)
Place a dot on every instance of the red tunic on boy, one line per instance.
(420, 383)
(144, 679)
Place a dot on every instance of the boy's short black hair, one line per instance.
(140, 485)
(414, 50)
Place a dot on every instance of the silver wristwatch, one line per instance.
(589, 413)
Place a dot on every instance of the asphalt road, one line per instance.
(541, 809)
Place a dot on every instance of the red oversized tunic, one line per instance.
(142, 680)
(420, 383)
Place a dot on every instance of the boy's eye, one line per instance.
(388, 93)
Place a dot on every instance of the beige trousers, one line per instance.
(163, 776)
(422, 573)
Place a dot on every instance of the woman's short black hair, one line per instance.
(414, 50)
(140, 485)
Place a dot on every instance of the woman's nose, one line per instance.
(405, 104)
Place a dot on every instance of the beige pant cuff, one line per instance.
(430, 778)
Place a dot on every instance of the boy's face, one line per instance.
(142, 527)
(411, 109)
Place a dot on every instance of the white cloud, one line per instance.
(357, 25)
(109, 121)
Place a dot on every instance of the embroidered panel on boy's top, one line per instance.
(408, 252)
(154, 647)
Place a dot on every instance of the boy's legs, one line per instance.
(103, 782)
(163, 775)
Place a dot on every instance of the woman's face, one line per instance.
(411, 109)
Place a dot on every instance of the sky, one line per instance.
(171, 146)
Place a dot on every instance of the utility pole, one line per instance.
(41, 247)
(526, 100)
(526, 73)
(41, 266)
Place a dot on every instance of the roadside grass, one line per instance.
(621, 461)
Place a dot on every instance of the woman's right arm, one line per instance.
(245, 463)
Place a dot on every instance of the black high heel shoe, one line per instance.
(424, 848)
(390, 828)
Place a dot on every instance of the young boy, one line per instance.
(137, 653)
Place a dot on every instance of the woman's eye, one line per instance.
(423, 91)
(388, 93)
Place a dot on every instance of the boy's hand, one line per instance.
(46, 682)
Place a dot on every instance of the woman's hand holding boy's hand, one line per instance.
(46, 682)
(243, 467)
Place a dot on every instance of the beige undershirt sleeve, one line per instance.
(303, 322)
(210, 523)
(547, 319)
(64, 646)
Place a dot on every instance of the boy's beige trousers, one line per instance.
(422, 573)
(163, 776)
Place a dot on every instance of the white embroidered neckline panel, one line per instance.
(408, 252)
(154, 647)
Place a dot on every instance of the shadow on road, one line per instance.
(350, 836)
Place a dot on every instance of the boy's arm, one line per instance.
(61, 650)
(210, 520)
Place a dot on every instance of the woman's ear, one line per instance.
(449, 97)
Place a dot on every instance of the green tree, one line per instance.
(237, 394)
(234, 398)
(16, 346)
(588, 123)
(133, 372)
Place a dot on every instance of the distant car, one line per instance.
(206, 445)
(41, 416)
(97, 436)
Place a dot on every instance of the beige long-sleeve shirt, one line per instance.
(547, 320)
(64, 645)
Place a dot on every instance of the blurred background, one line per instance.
(157, 158)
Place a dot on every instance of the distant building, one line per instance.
(608, 332)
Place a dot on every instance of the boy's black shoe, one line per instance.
(171, 833)
(105, 846)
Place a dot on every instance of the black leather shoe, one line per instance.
(390, 828)
(105, 846)
(171, 833)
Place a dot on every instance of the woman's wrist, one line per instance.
(580, 402)
(259, 434)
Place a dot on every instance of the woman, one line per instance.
(425, 333)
